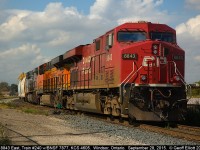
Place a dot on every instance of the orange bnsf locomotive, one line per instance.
(135, 71)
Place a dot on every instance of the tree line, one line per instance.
(5, 87)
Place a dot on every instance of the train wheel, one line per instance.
(112, 118)
(38, 100)
(25, 99)
(121, 120)
(130, 121)
(64, 102)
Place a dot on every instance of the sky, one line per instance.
(35, 31)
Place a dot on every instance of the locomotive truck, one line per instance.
(135, 71)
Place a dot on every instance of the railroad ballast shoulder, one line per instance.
(135, 70)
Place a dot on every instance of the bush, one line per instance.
(196, 92)
(193, 115)
(4, 140)
(1, 95)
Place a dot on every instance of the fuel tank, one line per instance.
(89, 102)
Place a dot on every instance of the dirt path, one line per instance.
(28, 129)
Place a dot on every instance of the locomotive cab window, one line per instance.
(131, 36)
(97, 43)
(163, 36)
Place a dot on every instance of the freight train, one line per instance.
(135, 71)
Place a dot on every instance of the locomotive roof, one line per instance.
(146, 26)
(142, 25)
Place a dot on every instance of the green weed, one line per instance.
(11, 105)
(4, 140)
(35, 111)
(195, 92)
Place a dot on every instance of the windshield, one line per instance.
(163, 36)
(133, 36)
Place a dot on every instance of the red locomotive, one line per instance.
(135, 70)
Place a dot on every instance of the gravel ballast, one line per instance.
(125, 135)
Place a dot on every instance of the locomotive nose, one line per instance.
(160, 66)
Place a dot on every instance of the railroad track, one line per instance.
(190, 128)
(181, 131)
(178, 132)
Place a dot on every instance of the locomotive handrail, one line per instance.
(175, 68)
(182, 79)
(128, 77)
(133, 75)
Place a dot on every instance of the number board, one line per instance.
(178, 57)
(129, 56)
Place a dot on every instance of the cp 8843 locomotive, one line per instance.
(135, 70)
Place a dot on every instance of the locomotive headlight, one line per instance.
(143, 77)
(155, 48)
(155, 51)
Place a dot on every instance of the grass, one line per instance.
(25, 109)
(2, 97)
(35, 111)
(8, 105)
(4, 140)
(195, 92)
